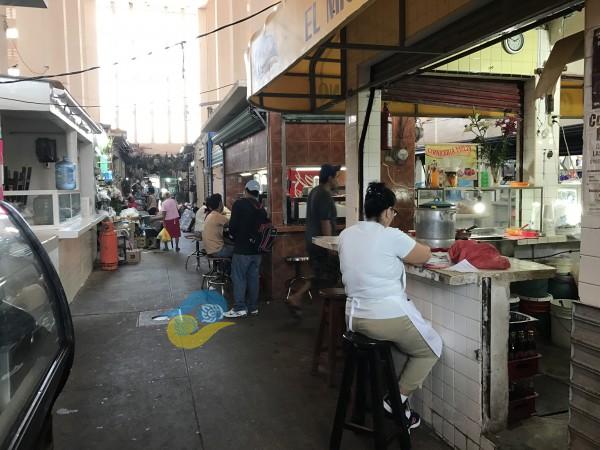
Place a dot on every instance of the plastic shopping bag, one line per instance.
(164, 235)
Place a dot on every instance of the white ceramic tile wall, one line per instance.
(372, 155)
(450, 400)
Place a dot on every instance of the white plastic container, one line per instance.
(561, 317)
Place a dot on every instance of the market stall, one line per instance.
(49, 146)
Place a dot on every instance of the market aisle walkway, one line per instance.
(247, 388)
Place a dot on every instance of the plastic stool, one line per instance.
(371, 360)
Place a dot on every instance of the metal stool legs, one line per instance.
(297, 276)
(196, 254)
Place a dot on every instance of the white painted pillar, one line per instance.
(73, 153)
(541, 135)
(356, 108)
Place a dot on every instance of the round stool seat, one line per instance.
(297, 259)
(193, 237)
(360, 341)
(333, 293)
(218, 258)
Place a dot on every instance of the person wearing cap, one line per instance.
(246, 215)
(321, 218)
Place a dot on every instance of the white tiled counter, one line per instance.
(466, 395)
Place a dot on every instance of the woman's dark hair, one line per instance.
(151, 191)
(378, 199)
(213, 202)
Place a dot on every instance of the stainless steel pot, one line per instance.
(435, 227)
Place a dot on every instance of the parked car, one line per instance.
(36, 336)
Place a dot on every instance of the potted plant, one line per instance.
(493, 155)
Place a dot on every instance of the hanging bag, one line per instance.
(265, 234)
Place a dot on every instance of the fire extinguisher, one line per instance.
(386, 128)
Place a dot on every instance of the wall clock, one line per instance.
(514, 44)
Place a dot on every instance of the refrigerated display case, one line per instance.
(498, 207)
(36, 336)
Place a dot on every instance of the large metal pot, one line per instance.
(435, 224)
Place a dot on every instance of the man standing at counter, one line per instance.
(246, 215)
(321, 218)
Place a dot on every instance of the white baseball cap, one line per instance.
(253, 185)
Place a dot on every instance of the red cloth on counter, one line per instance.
(481, 255)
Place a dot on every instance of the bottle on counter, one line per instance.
(532, 350)
(521, 345)
(512, 345)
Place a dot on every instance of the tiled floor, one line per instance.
(247, 388)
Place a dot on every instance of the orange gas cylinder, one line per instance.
(109, 259)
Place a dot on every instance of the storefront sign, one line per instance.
(591, 166)
(295, 28)
(459, 158)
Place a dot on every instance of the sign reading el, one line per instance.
(311, 25)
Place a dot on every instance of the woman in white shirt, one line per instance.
(371, 261)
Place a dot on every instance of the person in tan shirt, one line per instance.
(214, 225)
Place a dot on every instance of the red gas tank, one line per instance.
(109, 258)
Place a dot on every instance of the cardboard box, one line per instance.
(133, 256)
(140, 242)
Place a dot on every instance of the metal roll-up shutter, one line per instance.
(243, 125)
(470, 93)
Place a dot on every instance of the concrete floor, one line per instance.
(248, 387)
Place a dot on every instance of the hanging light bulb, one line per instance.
(14, 71)
(12, 33)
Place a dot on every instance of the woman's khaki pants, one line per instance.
(409, 344)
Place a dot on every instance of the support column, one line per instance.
(73, 153)
(356, 108)
(541, 134)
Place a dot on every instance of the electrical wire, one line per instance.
(96, 106)
(89, 69)
(25, 62)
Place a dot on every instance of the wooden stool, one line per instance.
(333, 321)
(372, 362)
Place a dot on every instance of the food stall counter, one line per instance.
(469, 386)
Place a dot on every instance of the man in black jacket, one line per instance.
(246, 216)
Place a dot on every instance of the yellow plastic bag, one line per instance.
(164, 235)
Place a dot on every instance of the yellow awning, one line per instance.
(294, 63)
(571, 98)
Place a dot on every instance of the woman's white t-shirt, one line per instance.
(372, 270)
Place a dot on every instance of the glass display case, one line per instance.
(497, 207)
(49, 208)
(36, 341)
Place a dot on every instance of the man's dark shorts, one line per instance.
(325, 267)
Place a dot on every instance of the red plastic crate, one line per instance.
(523, 367)
(521, 408)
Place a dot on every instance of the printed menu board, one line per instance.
(460, 158)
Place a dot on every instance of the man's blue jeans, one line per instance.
(244, 273)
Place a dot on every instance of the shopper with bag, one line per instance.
(247, 217)
(171, 220)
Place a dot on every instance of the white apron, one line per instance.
(424, 327)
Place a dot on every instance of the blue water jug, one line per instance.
(65, 175)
